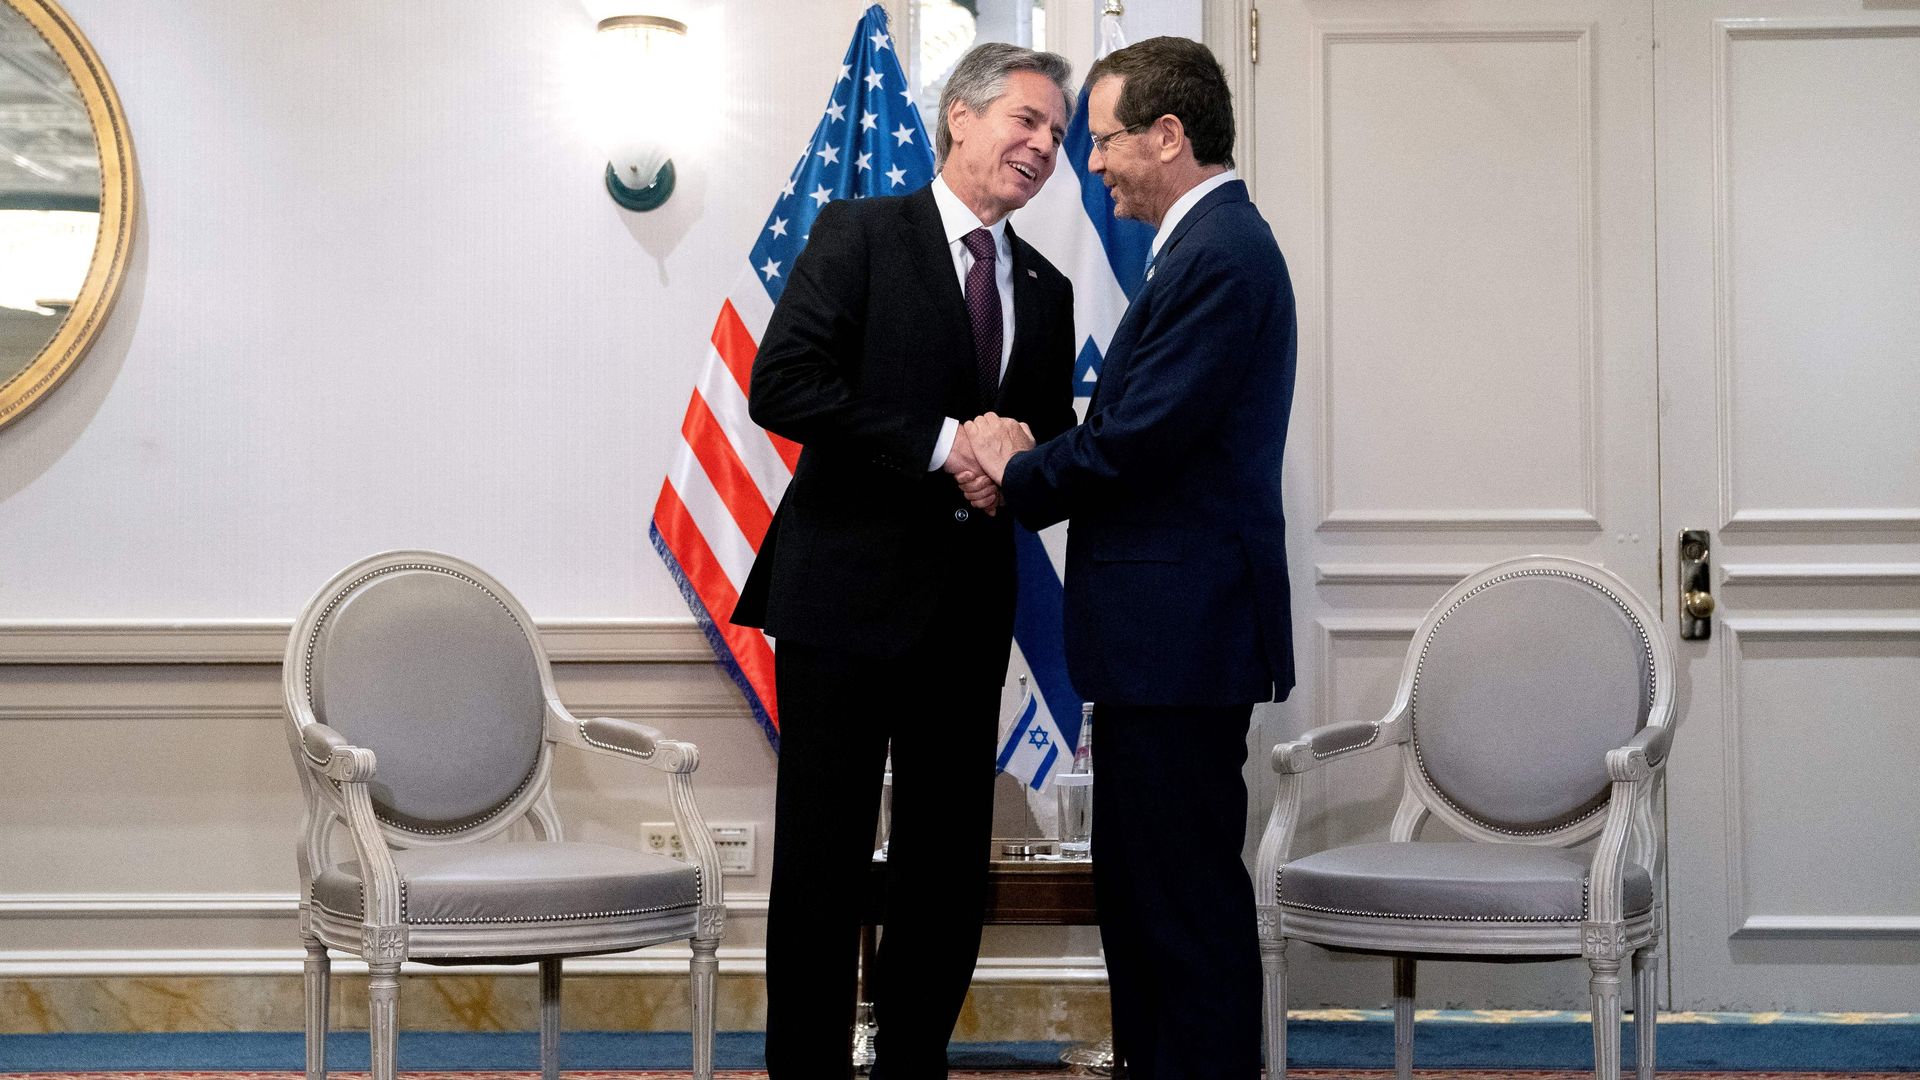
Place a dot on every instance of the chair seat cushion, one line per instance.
(519, 883)
(1476, 882)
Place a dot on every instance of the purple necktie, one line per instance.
(983, 307)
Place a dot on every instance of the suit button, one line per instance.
(960, 514)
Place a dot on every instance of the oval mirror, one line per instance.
(66, 199)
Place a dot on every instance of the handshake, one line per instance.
(979, 456)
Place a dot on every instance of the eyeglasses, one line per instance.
(1101, 142)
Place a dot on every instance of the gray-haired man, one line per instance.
(890, 597)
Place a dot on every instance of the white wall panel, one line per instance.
(1443, 148)
(1822, 776)
(1820, 147)
(380, 299)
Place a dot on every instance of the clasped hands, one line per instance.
(978, 460)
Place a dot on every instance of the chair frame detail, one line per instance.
(335, 777)
(1607, 936)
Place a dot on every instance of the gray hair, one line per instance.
(981, 77)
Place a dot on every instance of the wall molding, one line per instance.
(264, 641)
(217, 905)
(1828, 926)
(1543, 520)
(668, 959)
(1820, 574)
(1448, 574)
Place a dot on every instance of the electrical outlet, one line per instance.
(735, 842)
(662, 838)
(733, 839)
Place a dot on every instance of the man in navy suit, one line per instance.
(890, 597)
(1177, 611)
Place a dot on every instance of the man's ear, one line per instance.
(1170, 137)
(959, 118)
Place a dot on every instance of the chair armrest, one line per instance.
(1646, 752)
(622, 738)
(1321, 744)
(640, 742)
(329, 751)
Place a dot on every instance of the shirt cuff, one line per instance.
(942, 446)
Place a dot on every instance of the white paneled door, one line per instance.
(1462, 191)
(1789, 239)
(1557, 295)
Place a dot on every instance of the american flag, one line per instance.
(727, 474)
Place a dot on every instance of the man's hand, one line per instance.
(980, 490)
(992, 440)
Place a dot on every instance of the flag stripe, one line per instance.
(750, 445)
(737, 347)
(1045, 772)
(724, 470)
(732, 554)
(750, 649)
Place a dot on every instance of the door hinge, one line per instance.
(1253, 35)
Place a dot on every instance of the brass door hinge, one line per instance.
(1253, 35)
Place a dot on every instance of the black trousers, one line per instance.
(1175, 902)
(838, 711)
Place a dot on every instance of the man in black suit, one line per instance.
(1177, 609)
(890, 598)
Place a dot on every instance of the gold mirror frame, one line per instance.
(108, 266)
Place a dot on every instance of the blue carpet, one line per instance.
(1861, 1047)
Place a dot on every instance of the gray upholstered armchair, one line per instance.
(423, 715)
(1533, 713)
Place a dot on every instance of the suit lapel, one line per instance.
(926, 242)
(1113, 366)
(1027, 313)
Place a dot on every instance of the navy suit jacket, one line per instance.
(1176, 589)
(868, 349)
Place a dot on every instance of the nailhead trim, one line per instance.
(306, 682)
(627, 750)
(1279, 897)
(1372, 734)
(1646, 646)
(505, 919)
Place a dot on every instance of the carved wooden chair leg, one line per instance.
(318, 999)
(1606, 1017)
(1274, 957)
(704, 967)
(1646, 1010)
(383, 993)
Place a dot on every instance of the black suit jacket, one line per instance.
(1176, 589)
(867, 352)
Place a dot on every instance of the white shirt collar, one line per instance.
(1183, 204)
(958, 220)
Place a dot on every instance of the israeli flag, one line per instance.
(1071, 222)
(1034, 747)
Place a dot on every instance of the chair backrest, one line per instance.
(428, 662)
(1518, 683)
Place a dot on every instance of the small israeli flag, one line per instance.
(1034, 746)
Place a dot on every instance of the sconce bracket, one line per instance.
(646, 198)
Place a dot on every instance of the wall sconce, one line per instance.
(639, 61)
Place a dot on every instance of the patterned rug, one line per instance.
(997, 1075)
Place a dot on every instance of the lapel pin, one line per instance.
(1034, 274)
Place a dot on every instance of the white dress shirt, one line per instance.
(958, 221)
(1183, 204)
